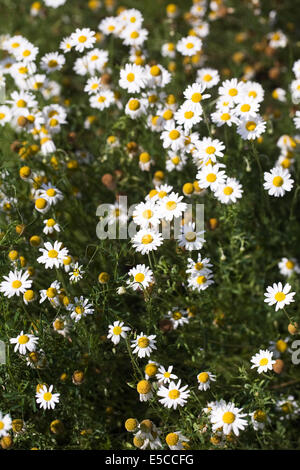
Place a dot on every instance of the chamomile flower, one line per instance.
(279, 94)
(50, 193)
(5, 424)
(278, 181)
(116, 331)
(66, 44)
(52, 62)
(208, 77)
(247, 108)
(102, 99)
(16, 283)
(143, 345)
(231, 90)
(277, 39)
(51, 294)
(263, 361)
(61, 325)
(189, 238)
(135, 108)
(145, 214)
(279, 295)
(24, 342)
(76, 273)
(279, 347)
(259, 419)
(222, 116)
(140, 277)
(211, 177)
(288, 408)
(228, 417)
(146, 240)
(80, 308)
(172, 136)
(173, 395)
(133, 36)
(171, 206)
(52, 255)
(175, 161)
(50, 226)
(251, 128)
(144, 389)
(204, 380)
(93, 85)
(189, 45)
(194, 268)
(83, 39)
(201, 281)
(209, 149)
(176, 440)
(287, 266)
(229, 191)
(164, 376)
(178, 317)
(132, 78)
(188, 115)
(46, 398)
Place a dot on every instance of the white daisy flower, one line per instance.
(52, 255)
(52, 62)
(173, 395)
(135, 108)
(145, 214)
(178, 317)
(222, 116)
(259, 419)
(132, 78)
(24, 342)
(77, 273)
(15, 283)
(116, 331)
(278, 181)
(62, 326)
(250, 129)
(51, 294)
(175, 161)
(140, 277)
(102, 99)
(263, 361)
(279, 94)
(208, 77)
(50, 226)
(176, 440)
(188, 115)
(189, 45)
(46, 398)
(287, 266)
(80, 308)
(5, 424)
(211, 177)
(229, 192)
(288, 407)
(189, 239)
(146, 240)
(201, 281)
(143, 345)
(277, 39)
(228, 417)
(231, 90)
(83, 39)
(279, 295)
(171, 207)
(198, 267)
(144, 389)
(247, 108)
(164, 376)
(204, 380)
(172, 136)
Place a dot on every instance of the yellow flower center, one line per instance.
(29, 295)
(201, 279)
(210, 150)
(278, 181)
(188, 114)
(207, 77)
(281, 346)
(203, 377)
(155, 71)
(252, 94)
(1, 425)
(151, 369)
(171, 205)
(196, 97)
(147, 214)
(172, 439)
(176, 315)
(280, 296)
(162, 194)
(101, 99)
(175, 160)
(51, 192)
(50, 223)
(130, 77)
(225, 116)
(79, 310)
(134, 35)
(250, 126)
(260, 416)
(52, 254)
(143, 387)
(228, 417)
(245, 108)
(134, 104)
(198, 266)
(82, 39)
(51, 292)
(23, 339)
(211, 178)
(233, 92)
(139, 277)
(174, 394)
(167, 115)
(21, 104)
(52, 63)
(143, 342)
(174, 134)
(59, 324)
(117, 330)
(16, 284)
(167, 375)
(264, 361)
(47, 396)
(227, 191)
(147, 239)
(189, 45)
(190, 236)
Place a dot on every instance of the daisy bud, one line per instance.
(57, 427)
(20, 229)
(78, 377)
(13, 255)
(293, 328)
(103, 278)
(138, 442)
(131, 424)
(25, 172)
(17, 425)
(278, 366)
(6, 442)
(35, 240)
